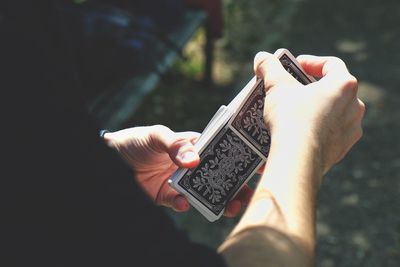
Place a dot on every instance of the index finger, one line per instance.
(322, 66)
(332, 70)
(268, 67)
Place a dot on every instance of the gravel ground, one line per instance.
(359, 208)
(359, 202)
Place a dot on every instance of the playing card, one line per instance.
(291, 65)
(215, 120)
(220, 118)
(249, 120)
(243, 94)
(227, 162)
(233, 145)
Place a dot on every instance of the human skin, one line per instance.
(312, 128)
(155, 153)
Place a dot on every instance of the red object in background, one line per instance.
(214, 11)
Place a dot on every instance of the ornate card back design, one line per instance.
(233, 145)
(249, 121)
(295, 71)
(226, 163)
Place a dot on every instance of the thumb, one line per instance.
(179, 146)
(183, 153)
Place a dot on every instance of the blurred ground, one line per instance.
(359, 207)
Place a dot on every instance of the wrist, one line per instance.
(293, 176)
(294, 166)
(285, 196)
(297, 160)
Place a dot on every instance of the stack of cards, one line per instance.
(234, 144)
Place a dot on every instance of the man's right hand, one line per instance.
(312, 127)
(327, 111)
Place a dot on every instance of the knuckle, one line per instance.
(362, 108)
(335, 61)
(160, 132)
(339, 66)
(359, 134)
(348, 81)
(348, 85)
(156, 130)
(351, 82)
(159, 137)
(160, 128)
(261, 56)
(261, 61)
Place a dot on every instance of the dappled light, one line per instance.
(356, 48)
(358, 213)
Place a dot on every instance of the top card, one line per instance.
(291, 65)
(226, 164)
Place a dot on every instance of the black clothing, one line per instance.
(66, 199)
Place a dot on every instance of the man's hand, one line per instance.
(312, 127)
(327, 111)
(155, 153)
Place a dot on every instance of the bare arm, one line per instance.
(312, 128)
(278, 225)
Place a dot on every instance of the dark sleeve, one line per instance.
(75, 203)
(65, 198)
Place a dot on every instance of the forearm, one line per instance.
(282, 210)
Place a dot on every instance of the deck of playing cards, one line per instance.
(234, 144)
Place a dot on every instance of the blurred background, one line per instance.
(359, 202)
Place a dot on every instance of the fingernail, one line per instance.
(188, 156)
